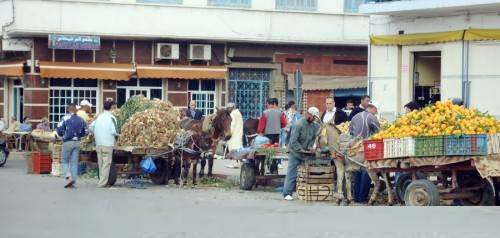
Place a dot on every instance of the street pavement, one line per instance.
(38, 206)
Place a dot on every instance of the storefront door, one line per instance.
(249, 89)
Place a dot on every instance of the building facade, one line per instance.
(211, 51)
(428, 50)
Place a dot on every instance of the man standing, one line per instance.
(364, 125)
(364, 103)
(85, 110)
(236, 141)
(72, 129)
(302, 140)
(332, 114)
(272, 121)
(194, 113)
(104, 129)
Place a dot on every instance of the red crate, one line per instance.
(42, 163)
(374, 149)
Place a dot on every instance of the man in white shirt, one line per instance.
(332, 114)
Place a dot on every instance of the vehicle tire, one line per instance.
(247, 176)
(422, 192)
(402, 183)
(484, 197)
(3, 158)
(113, 174)
(159, 176)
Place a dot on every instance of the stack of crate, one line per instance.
(56, 159)
(315, 181)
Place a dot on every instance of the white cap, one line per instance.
(230, 104)
(374, 103)
(314, 111)
(85, 103)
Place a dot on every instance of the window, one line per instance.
(161, 1)
(66, 91)
(17, 97)
(352, 6)
(203, 92)
(230, 3)
(300, 5)
(150, 88)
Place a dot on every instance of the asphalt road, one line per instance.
(38, 206)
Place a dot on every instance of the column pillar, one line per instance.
(36, 97)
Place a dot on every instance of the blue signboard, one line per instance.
(74, 42)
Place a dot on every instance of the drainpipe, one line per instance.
(467, 81)
(4, 33)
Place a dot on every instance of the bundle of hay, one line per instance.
(155, 127)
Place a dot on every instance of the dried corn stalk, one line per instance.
(155, 127)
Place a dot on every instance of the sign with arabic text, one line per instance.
(74, 42)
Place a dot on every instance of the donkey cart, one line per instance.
(425, 181)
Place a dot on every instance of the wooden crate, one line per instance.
(315, 174)
(315, 192)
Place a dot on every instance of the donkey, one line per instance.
(348, 156)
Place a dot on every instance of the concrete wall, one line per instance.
(185, 22)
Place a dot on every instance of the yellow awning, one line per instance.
(322, 82)
(482, 34)
(86, 70)
(417, 39)
(11, 69)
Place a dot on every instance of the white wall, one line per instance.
(383, 78)
(484, 75)
(153, 21)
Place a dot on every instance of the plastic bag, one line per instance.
(148, 165)
(260, 140)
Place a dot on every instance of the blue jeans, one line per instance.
(291, 173)
(284, 137)
(362, 184)
(70, 155)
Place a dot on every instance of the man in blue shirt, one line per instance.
(71, 129)
(104, 130)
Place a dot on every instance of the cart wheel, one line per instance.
(484, 196)
(159, 176)
(422, 192)
(247, 176)
(402, 183)
(3, 158)
(113, 174)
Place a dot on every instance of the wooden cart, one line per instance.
(425, 181)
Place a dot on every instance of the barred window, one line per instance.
(301, 5)
(230, 3)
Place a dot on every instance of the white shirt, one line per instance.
(329, 116)
(104, 129)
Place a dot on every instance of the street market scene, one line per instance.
(235, 118)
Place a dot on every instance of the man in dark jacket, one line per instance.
(361, 108)
(194, 113)
(71, 129)
(332, 113)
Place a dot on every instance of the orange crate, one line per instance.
(42, 163)
(374, 149)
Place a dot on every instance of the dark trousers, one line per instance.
(362, 184)
(274, 138)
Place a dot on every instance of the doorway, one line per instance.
(427, 77)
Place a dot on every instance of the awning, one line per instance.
(181, 72)
(320, 82)
(14, 69)
(417, 39)
(482, 34)
(352, 92)
(86, 70)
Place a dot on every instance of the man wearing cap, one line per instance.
(236, 141)
(364, 125)
(301, 140)
(85, 110)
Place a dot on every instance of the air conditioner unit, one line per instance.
(200, 52)
(167, 51)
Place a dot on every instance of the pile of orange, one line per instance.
(442, 118)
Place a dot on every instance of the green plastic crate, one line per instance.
(429, 146)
